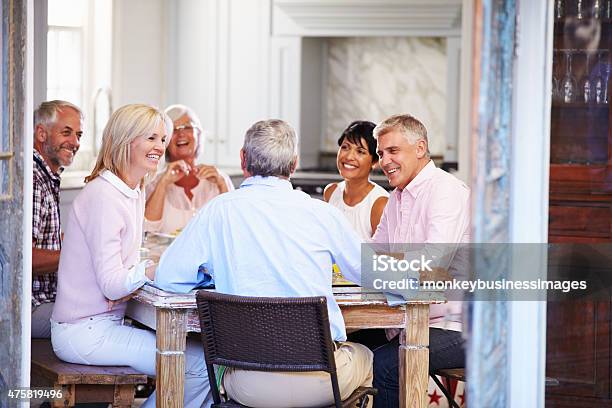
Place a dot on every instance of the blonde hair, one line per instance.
(126, 124)
(409, 126)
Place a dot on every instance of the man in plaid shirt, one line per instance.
(57, 131)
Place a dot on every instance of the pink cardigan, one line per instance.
(101, 242)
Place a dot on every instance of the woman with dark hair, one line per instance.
(361, 200)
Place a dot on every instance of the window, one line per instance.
(79, 66)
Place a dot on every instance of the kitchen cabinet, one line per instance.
(580, 202)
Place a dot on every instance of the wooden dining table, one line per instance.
(173, 315)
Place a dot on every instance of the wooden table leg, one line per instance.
(414, 358)
(170, 361)
(68, 396)
(123, 395)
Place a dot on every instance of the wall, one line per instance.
(231, 63)
(40, 51)
(139, 52)
(219, 66)
(238, 61)
(373, 78)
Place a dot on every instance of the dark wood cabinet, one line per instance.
(578, 348)
(578, 333)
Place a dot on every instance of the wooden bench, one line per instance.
(452, 373)
(82, 383)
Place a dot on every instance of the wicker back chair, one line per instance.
(269, 334)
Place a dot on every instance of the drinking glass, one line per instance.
(559, 9)
(555, 81)
(568, 85)
(586, 86)
(579, 10)
(601, 80)
(605, 65)
(596, 9)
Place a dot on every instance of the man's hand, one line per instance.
(435, 275)
(44, 261)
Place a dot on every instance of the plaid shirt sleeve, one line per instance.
(38, 210)
(44, 235)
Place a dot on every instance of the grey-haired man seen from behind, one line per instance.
(267, 239)
(57, 134)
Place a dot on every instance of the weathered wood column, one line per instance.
(414, 357)
(170, 358)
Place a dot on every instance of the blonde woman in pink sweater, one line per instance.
(99, 266)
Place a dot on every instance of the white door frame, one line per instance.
(529, 192)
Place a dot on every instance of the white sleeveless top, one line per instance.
(358, 215)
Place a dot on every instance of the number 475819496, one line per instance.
(25, 394)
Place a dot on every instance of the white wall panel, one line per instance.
(222, 49)
(243, 74)
(139, 52)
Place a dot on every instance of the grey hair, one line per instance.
(177, 111)
(270, 148)
(409, 126)
(46, 113)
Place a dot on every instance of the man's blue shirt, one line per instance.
(265, 239)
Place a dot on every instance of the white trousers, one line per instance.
(263, 389)
(104, 340)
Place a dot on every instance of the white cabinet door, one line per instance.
(244, 48)
(222, 53)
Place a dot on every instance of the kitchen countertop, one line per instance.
(75, 179)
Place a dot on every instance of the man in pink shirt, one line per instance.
(428, 206)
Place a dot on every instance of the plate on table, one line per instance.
(162, 235)
(338, 279)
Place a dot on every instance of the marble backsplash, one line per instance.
(373, 78)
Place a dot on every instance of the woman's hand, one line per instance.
(210, 173)
(175, 171)
(150, 271)
(113, 303)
